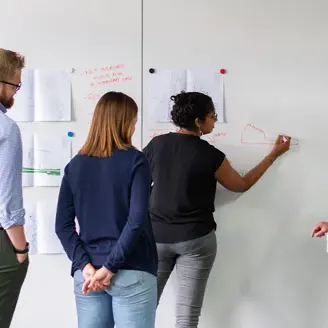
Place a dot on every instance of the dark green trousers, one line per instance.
(12, 276)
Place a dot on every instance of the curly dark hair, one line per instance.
(188, 106)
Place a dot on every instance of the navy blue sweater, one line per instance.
(109, 198)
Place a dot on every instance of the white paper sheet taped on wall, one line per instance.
(165, 83)
(30, 227)
(40, 228)
(44, 160)
(45, 95)
(47, 240)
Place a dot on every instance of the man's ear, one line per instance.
(197, 122)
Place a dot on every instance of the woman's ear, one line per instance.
(198, 125)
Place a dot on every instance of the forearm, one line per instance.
(124, 246)
(138, 215)
(257, 172)
(73, 246)
(17, 237)
(65, 226)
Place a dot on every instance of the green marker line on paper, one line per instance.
(42, 171)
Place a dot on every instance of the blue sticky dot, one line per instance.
(70, 134)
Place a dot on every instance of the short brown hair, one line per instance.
(111, 126)
(10, 63)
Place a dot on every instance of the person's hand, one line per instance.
(102, 278)
(88, 271)
(281, 145)
(320, 229)
(21, 257)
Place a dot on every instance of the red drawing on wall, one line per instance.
(152, 133)
(93, 96)
(91, 71)
(257, 136)
(213, 138)
(106, 75)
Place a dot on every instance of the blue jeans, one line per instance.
(129, 302)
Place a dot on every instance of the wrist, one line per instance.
(271, 158)
(104, 268)
(22, 251)
(110, 269)
(85, 266)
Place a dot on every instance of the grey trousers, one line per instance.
(193, 260)
(12, 276)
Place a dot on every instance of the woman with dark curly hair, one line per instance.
(184, 172)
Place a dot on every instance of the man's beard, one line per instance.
(7, 102)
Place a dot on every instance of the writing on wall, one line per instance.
(105, 76)
(254, 135)
(152, 133)
(257, 136)
(213, 138)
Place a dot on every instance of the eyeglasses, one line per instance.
(17, 86)
(214, 116)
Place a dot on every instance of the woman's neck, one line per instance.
(192, 133)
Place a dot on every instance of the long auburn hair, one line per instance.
(112, 125)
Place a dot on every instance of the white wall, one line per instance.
(269, 272)
(80, 35)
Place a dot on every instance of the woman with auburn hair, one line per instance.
(114, 257)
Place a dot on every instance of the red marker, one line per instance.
(222, 71)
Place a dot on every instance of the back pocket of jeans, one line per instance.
(78, 278)
(128, 278)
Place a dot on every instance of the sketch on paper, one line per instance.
(48, 242)
(45, 95)
(40, 228)
(165, 83)
(44, 160)
(257, 136)
(30, 227)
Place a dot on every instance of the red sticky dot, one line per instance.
(222, 71)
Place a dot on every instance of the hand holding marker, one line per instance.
(281, 145)
(284, 139)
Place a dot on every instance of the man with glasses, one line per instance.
(13, 245)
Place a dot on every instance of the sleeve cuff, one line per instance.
(17, 218)
(110, 268)
(83, 264)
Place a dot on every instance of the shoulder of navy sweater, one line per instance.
(137, 157)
